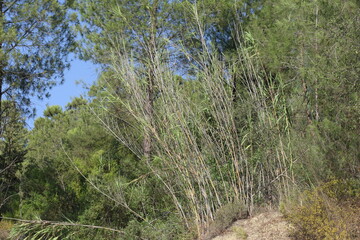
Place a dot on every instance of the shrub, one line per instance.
(224, 217)
(327, 212)
(168, 228)
(240, 233)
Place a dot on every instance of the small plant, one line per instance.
(225, 216)
(240, 233)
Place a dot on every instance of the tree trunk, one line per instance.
(305, 88)
(149, 101)
(149, 111)
(317, 115)
(1, 69)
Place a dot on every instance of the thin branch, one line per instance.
(54, 223)
(8, 166)
(10, 6)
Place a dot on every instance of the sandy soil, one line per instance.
(265, 226)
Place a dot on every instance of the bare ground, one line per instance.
(4, 234)
(270, 225)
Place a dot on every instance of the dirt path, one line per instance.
(265, 226)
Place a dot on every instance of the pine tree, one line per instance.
(35, 38)
(141, 29)
(12, 152)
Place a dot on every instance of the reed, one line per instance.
(202, 156)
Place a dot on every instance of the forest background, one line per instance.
(203, 112)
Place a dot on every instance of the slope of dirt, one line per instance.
(4, 234)
(265, 226)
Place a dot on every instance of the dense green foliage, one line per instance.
(203, 111)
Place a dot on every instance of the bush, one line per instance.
(240, 233)
(224, 217)
(169, 228)
(330, 211)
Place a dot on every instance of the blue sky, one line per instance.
(62, 94)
